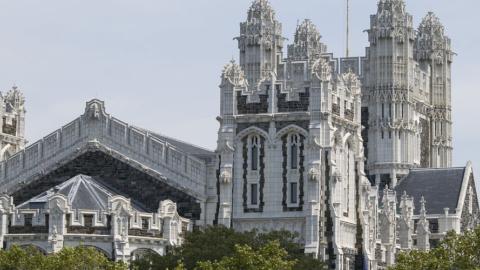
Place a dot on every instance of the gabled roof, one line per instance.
(82, 192)
(441, 188)
(180, 165)
(189, 148)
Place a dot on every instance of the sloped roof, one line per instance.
(82, 192)
(189, 148)
(440, 188)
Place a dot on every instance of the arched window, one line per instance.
(254, 147)
(294, 151)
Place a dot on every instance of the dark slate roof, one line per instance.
(440, 188)
(196, 151)
(82, 192)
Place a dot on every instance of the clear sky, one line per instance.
(157, 63)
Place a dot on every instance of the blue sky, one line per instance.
(157, 63)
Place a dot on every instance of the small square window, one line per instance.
(88, 220)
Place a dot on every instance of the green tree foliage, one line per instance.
(78, 258)
(455, 252)
(214, 243)
(269, 257)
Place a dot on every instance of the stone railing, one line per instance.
(149, 151)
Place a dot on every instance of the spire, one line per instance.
(423, 211)
(259, 42)
(307, 42)
(261, 10)
(431, 25)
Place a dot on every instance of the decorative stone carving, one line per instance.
(322, 70)
(423, 230)
(314, 174)
(226, 176)
(233, 73)
(307, 43)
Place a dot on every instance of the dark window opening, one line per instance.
(28, 220)
(144, 224)
(293, 193)
(254, 158)
(433, 225)
(254, 194)
(293, 159)
(88, 220)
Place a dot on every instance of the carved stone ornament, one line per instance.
(233, 73)
(314, 174)
(322, 69)
(226, 176)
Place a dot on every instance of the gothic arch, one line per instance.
(141, 252)
(6, 152)
(291, 129)
(99, 249)
(252, 130)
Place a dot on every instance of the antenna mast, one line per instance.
(347, 49)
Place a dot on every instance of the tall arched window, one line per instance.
(254, 153)
(294, 151)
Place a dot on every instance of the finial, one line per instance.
(423, 211)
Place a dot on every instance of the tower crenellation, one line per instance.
(12, 122)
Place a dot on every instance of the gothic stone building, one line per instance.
(353, 154)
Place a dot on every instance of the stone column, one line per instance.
(6, 208)
(120, 212)
(57, 208)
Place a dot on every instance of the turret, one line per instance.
(392, 134)
(433, 51)
(12, 122)
(307, 43)
(260, 43)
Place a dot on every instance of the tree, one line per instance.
(269, 257)
(454, 252)
(78, 258)
(214, 243)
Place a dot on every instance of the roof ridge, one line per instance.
(174, 139)
(438, 169)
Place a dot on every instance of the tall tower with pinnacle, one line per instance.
(433, 52)
(260, 44)
(12, 123)
(406, 93)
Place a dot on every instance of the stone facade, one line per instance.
(329, 148)
(407, 92)
(80, 211)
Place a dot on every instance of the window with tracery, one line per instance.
(254, 149)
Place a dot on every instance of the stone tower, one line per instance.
(289, 144)
(434, 54)
(12, 122)
(260, 44)
(406, 95)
